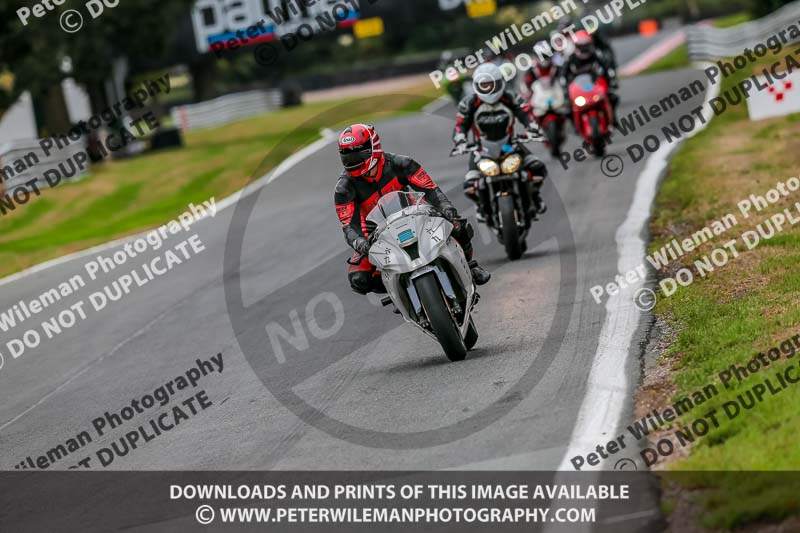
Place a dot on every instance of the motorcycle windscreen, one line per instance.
(392, 203)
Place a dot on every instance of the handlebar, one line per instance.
(462, 149)
(457, 222)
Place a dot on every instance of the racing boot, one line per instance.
(538, 206)
(479, 275)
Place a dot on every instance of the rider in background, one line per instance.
(569, 27)
(586, 60)
(490, 114)
(370, 173)
(542, 68)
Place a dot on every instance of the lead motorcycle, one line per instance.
(424, 270)
(500, 164)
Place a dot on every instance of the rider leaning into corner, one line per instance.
(489, 113)
(370, 173)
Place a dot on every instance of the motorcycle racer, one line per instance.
(370, 173)
(542, 68)
(586, 60)
(490, 114)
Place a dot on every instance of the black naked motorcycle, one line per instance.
(500, 165)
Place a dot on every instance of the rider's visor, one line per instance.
(354, 157)
(486, 86)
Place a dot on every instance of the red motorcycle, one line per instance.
(592, 112)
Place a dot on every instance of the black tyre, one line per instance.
(472, 335)
(598, 142)
(442, 322)
(510, 229)
(553, 133)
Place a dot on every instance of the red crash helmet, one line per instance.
(584, 44)
(360, 149)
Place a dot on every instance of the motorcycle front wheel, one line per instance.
(598, 142)
(510, 229)
(553, 132)
(442, 322)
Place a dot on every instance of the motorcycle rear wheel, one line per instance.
(442, 322)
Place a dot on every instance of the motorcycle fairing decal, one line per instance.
(422, 179)
(371, 202)
(345, 213)
(407, 235)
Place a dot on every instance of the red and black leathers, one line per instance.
(597, 65)
(539, 72)
(355, 197)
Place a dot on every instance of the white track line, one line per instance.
(286, 165)
(606, 390)
(653, 54)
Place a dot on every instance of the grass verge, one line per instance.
(678, 58)
(124, 197)
(732, 314)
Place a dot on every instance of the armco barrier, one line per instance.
(227, 108)
(708, 43)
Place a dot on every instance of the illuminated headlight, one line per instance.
(580, 101)
(596, 97)
(511, 164)
(488, 167)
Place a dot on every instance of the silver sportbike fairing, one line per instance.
(411, 241)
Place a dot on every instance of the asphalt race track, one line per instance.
(345, 402)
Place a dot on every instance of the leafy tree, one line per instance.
(765, 7)
(138, 30)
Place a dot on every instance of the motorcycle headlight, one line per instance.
(488, 167)
(580, 101)
(511, 164)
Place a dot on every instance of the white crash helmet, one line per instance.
(488, 82)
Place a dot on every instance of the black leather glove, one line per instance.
(361, 245)
(449, 212)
